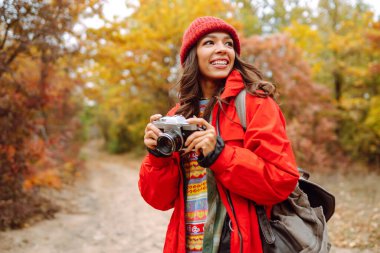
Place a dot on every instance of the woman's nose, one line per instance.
(220, 47)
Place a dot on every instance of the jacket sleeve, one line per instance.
(159, 181)
(159, 178)
(264, 170)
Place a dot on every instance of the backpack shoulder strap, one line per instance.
(240, 108)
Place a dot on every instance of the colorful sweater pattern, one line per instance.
(196, 202)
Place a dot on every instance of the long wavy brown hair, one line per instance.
(190, 92)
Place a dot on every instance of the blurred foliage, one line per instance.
(268, 17)
(38, 123)
(340, 41)
(327, 57)
(342, 47)
(308, 107)
(134, 65)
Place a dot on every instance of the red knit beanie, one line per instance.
(202, 26)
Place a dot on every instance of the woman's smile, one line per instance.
(220, 63)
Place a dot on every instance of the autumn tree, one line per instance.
(341, 54)
(36, 103)
(360, 121)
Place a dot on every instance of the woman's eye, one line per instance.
(208, 42)
(229, 43)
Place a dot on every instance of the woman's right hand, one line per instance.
(152, 132)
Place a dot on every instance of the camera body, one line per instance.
(175, 130)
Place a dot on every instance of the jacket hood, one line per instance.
(234, 84)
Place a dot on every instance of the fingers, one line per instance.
(152, 129)
(152, 132)
(191, 144)
(150, 139)
(208, 133)
(200, 122)
(150, 143)
(205, 146)
(155, 117)
(201, 141)
(197, 135)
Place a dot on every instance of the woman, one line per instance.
(214, 182)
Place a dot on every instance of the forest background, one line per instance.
(63, 82)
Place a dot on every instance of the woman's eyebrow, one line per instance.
(215, 36)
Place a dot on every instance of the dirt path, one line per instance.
(103, 213)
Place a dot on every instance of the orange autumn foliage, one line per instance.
(39, 125)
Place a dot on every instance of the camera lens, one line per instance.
(164, 145)
(169, 142)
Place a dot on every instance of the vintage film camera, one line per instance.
(175, 131)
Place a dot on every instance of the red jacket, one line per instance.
(256, 165)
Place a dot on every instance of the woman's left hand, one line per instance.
(201, 141)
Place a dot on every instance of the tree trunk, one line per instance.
(338, 84)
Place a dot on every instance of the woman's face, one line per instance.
(216, 55)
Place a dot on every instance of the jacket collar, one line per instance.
(234, 84)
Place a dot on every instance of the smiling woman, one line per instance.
(213, 181)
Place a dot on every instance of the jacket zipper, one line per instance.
(237, 224)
